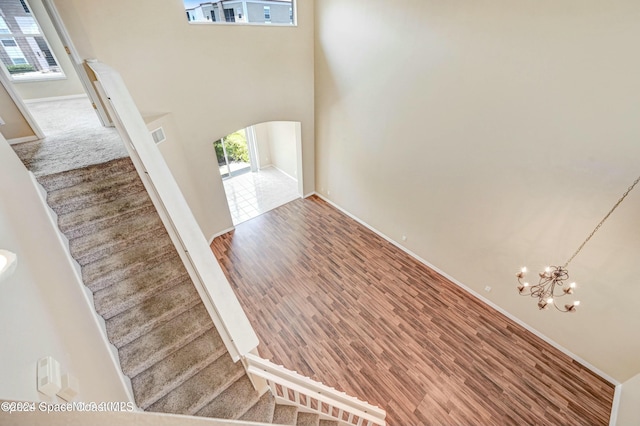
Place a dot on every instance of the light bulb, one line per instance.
(576, 303)
(523, 270)
(526, 284)
(572, 285)
(550, 300)
(3, 262)
(547, 269)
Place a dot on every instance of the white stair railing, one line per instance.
(212, 285)
(291, 388)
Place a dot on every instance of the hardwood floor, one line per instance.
(334, 301)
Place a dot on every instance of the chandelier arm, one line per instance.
(601, 222)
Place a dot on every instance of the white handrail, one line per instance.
(313, 396)
(212, 285)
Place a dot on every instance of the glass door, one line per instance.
(232, 152)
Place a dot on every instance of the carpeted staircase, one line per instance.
(167, 343)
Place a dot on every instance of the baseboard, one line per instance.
(285, 173)
(16, 141)
(221, 233)
(616, 405)
(479, 296)
(55, 98)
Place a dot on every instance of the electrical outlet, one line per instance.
(404, 238)
(487, 289)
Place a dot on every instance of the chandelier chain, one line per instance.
(602, 221)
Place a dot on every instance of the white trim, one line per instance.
(221, 233)
(284, 173)
(17, 100)
(15, 141)
(616, 405)
(479, 296)
(76, 61)
(55, 98)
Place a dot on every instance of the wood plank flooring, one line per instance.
(332, 300)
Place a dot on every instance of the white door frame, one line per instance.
(17, 100)
(77, 61)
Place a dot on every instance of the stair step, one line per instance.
(261, 411)
(162, 341)
(87, 194)
(132, 291)
(194, 394)
(133, 323)
(328, 423)
(156, 381)
(90, 219)
(307, 419)
(285, 415)
(114, 239)
(93, 173)
(128, 262)
(233, 402)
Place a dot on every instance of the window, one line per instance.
(24, 6)
(229, 15)
(27, 25)
(4, 29)
(24, 52)
(241, 12)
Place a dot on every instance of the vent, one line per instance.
(158, 135)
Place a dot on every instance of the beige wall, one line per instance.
(277, 146)
(282, 140)
(493, 135)
(629, 411)
(15, 125)
(70, 85)
(212, 79)
(262, 141)
(44, 311)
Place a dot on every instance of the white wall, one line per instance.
(282, 138)
(262, 141)
(278, 146)
(15, 124)
(493, 135)
(43, 311)
(629, 410)
(213, 79)
(70, 85)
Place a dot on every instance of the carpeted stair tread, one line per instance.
(130, 261)
(94, 173)
(328, 423)
(191, 396)
(90, 248)
(131, 291)
(144, 317)
(307, 419)
(100, 216)
(233, 402)
(285, 415)
(87, 194)
(160, 342)
(261, 411)
(156, 381)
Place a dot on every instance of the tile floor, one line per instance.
(251, 194)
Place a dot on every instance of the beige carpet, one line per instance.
(166, 341)
(74, 138)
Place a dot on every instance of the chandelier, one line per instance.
(552, 283)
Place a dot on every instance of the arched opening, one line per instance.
(261, 168)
